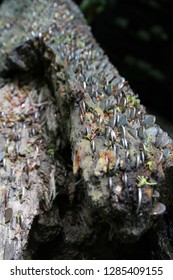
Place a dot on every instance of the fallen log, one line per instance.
(79, 153)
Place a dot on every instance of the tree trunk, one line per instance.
(82, 163)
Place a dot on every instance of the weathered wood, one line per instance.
(88, 112)
(27, 168)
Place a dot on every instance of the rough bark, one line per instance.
(79, 153)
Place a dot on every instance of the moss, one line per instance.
(150, 165)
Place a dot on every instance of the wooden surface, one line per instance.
(78, 151)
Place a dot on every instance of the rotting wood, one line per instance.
(120, 157)
(27, 166)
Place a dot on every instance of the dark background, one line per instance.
(137, 36)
